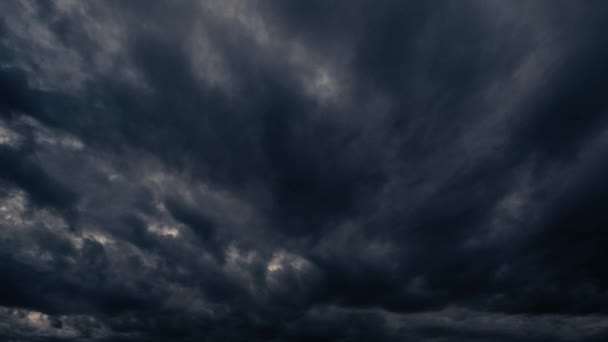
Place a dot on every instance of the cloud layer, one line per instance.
(298, 171)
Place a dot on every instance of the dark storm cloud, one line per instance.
(42, 188)
(297, 171)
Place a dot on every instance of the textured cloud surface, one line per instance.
(303, 171)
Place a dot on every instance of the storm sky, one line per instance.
(235, 170)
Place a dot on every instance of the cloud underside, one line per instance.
(279, 171)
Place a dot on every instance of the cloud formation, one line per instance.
(303, 171)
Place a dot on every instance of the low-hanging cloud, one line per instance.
(298, 171)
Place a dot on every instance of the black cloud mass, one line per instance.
(235, 170)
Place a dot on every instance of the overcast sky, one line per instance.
(236, 170)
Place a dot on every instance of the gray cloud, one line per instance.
(337, 171)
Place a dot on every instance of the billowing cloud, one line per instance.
(296, 171)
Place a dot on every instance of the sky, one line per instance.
(243, 170)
